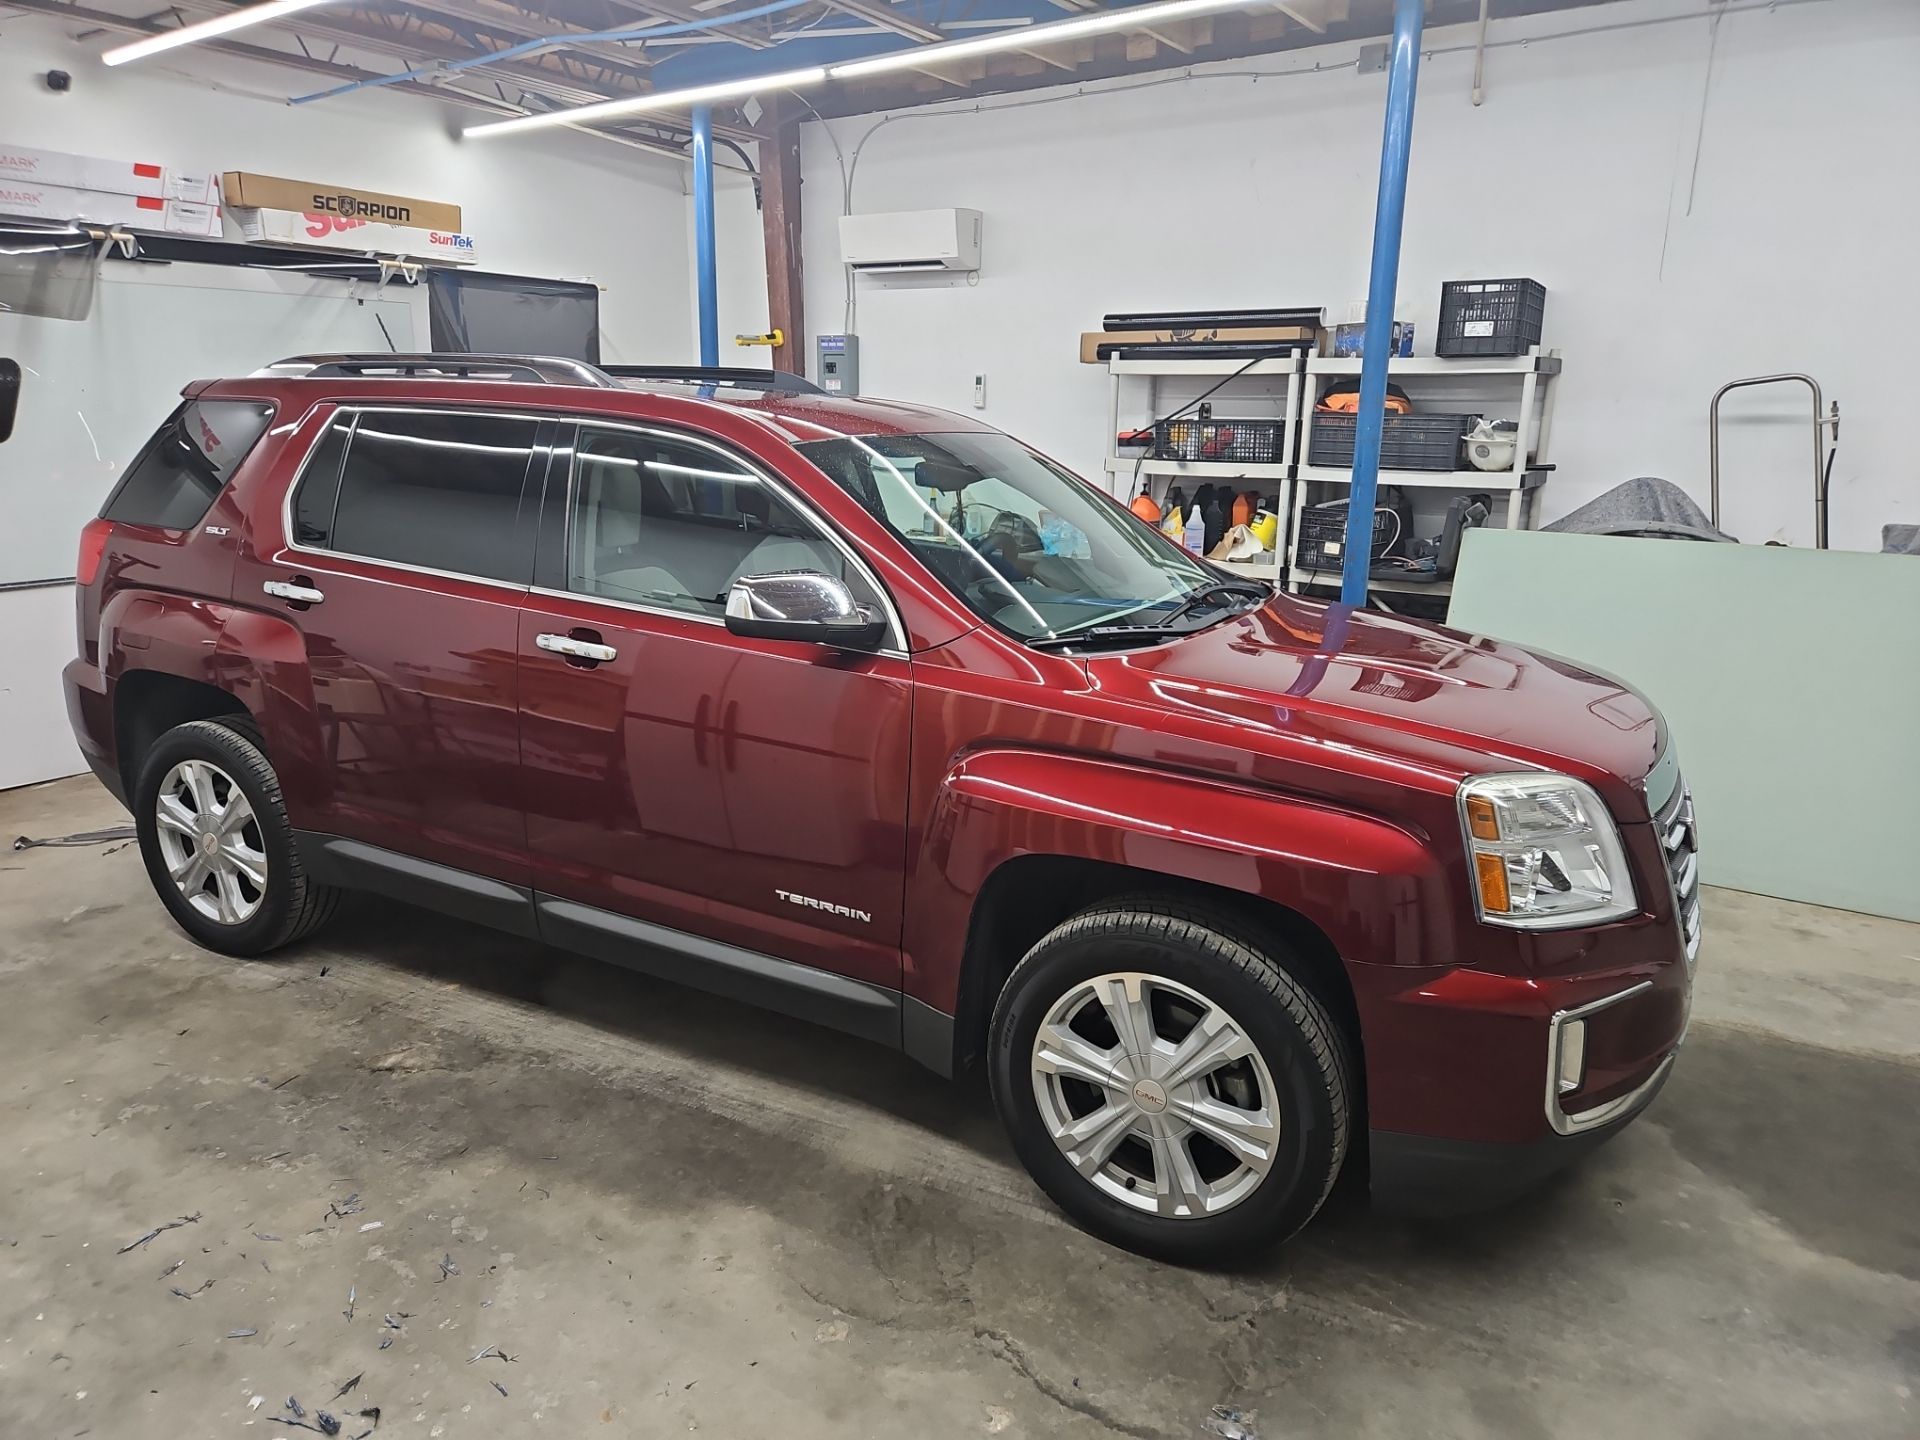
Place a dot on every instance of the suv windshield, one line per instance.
(1030, 548)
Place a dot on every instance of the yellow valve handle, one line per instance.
(774, 338)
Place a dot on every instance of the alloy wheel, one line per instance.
(211, 842)
(1156, 1095)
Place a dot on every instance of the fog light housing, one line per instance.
(1573, 1056)
(1546, 854)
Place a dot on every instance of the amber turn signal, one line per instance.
(1481, 820)
(1491, 871)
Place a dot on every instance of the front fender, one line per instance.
(1374, 888)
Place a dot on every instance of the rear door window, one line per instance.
(439, 491)
(187, 463)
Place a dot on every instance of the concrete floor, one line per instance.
(677, 1214)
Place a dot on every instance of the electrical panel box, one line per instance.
(838, 372)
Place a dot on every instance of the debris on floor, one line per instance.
(830, 1332)
(192, 1219)
(241, 1334)
(498, 1386)
(411, 1060)
(347, 1387)
(84, 837)
(1229, 1423)
(447, 1267)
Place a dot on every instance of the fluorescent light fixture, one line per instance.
(657, 100)
(1032, 37)
(915, 57)
(207, 29)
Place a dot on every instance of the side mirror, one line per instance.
(802, 605)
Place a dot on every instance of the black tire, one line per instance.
(292, 906)
(1303, 1049)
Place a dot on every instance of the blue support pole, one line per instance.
(1409, 17)
(706, 269)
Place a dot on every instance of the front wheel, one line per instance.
(216, 841)
(1173, 1088)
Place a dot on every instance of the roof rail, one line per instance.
(740, 377)
(521, 369)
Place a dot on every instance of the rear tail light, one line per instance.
(93, 544)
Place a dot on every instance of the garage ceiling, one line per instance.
(453, 49)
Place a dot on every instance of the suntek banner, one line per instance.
(313, 229)
(270, 192)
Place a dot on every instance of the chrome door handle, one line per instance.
(579, 649)
(287, 590)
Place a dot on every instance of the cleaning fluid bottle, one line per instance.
(1196, 537)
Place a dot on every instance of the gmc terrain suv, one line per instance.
(868, 713)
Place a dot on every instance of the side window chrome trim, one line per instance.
(896, 627)
(287, 531)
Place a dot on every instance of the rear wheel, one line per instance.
(216, 841)
(1170, 1084)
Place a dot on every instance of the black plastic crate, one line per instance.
(1407, 442)
(1227, 442)
(1490, 317)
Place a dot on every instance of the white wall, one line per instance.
(568, 207)
(1791, 250)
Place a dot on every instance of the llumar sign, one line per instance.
(270, 192)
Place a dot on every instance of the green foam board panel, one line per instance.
(1790, 679)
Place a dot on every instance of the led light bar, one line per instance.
(658, 100)
(913, 57)
(1032, 37)
(207, 29)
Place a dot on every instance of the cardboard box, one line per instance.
(24, 166)
(268, 192)
(314, 231)
(135, 212)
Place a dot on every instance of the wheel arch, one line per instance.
(1026, 896)
(149, 703)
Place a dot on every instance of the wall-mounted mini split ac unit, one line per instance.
(911, 241)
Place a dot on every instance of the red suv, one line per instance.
(869, 713)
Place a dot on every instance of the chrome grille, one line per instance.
(1680, 841)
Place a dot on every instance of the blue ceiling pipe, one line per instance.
(705, 266)
(1389, 211)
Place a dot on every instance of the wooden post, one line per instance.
(780, 220)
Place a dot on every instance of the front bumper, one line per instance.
(1424, 1176)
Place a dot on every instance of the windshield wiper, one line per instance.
(1109, 634)
(1207, 594)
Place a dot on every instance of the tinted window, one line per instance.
(659, 521)
(313, 503)
(187, 463)
(439, 491)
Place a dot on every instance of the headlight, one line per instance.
(1546, 854)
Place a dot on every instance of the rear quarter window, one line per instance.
(187, 463)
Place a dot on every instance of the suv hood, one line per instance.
(1403, 689)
